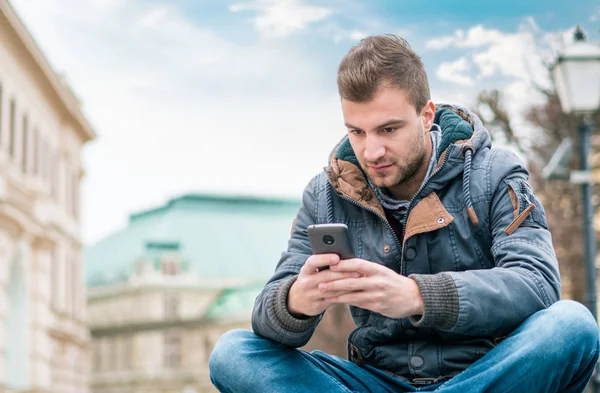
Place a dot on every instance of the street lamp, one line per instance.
(576, 75)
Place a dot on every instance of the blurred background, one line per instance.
(153, 154)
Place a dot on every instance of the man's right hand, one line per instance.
(305, 298)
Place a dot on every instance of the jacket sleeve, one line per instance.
(270, 317)
(525, 279)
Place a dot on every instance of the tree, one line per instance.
(562, 200)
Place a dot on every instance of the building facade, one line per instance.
(165, 288)
(44, 340)
(156, 335)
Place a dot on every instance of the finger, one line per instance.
(351, 298)
(328, 276)
(357, 265)
(317, 261)
(321, 297)
(346, 284)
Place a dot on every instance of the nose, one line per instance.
(374, 149)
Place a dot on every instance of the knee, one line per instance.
(226, 353)
(573, 317)
(571, 324)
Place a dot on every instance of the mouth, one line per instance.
(381, 168)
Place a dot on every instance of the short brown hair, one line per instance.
(382, 59)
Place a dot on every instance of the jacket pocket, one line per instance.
(457, 357)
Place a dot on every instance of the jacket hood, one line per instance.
(459, 127)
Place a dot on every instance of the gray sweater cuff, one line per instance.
(279, 308)
(440, 301)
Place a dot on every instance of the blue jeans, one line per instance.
(555, 350)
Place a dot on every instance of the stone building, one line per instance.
(44, 340)
(163, 290)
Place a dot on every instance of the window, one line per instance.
(44, 158)
(172, 349)
(52, 174)
(170, 267)
(12, 127)
(171, 305)
(112, 353)
(67, 186)
(75, 285)
(35, 148)
(1, 111)
(97, 355)
(128, 352)
(75, 191)
(67, 283)
(25, 145)
(54, 275)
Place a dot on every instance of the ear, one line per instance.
(428, 114)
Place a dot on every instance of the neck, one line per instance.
(406, 190)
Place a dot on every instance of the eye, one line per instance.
(355, 132)
(389, 130)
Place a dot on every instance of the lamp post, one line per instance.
(576, 75)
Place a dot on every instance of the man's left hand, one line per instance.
(379, 289)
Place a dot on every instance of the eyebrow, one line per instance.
(388, 123)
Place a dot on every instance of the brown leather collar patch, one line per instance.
(442, 158)
(428, 215)
(348, 180)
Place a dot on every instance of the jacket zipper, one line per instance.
(398, 244)
(410, 206)
(384, 220)
(351, 335)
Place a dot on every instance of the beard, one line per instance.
(403, 169)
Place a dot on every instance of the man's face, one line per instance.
(388, 135)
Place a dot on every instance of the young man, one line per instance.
(455, 285)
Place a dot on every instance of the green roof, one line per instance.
(215, 236)
(234, 301)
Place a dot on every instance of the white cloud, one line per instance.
(105, 4)
(341, 35)
(180, 109)
(514, 62)
(595, 16)
(517, 55)
(152, 18)
(357, 35)
(454, 72)
(505, 57)
(280, 18)
(446, 41)
(456, 97)
(479, 36)
(475, 37)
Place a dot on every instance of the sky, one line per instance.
(239, 97)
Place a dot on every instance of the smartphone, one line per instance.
(330, 239)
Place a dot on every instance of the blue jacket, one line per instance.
(476, 241)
